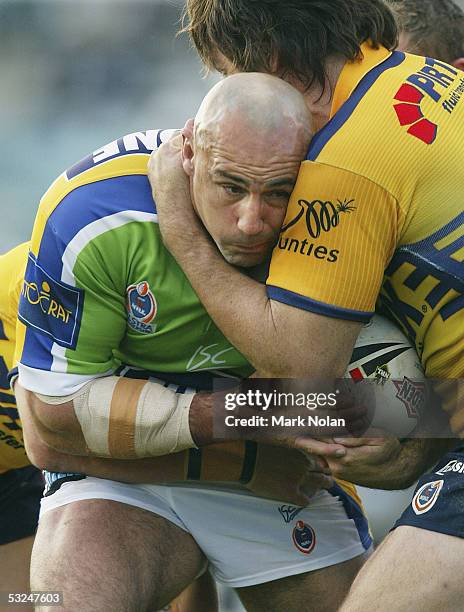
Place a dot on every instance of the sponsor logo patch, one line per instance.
(49, 306)
(409, 112)
(452, 466)
(381, 374)
(426, 496)
(141, 307)
(288, 513)
(303, 537)
(208, 358)
(320, 217)
(431, 82)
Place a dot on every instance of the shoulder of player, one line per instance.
(109, 187)
(110, 172)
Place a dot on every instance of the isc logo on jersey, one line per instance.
(141, 307)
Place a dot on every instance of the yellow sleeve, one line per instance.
(339, 233)
(12, 265)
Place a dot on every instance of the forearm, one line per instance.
(156, 470)
(126, 423)
(273, 336)
(232, 462)
(52, 428)
(227, 462)
(238, 304)
(415, 457)
(58, 429)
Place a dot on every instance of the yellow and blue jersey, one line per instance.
(376, 218)
(12, 265)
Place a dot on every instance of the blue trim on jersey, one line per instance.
(2, 331)
(200, 381)
(427, 261)
(12, 374)
(7, 398)
(348, 107)
(79, 208)
(120, 149)
(37, 350)
(354, 512)
(87, 204)
(438, 263)
(304, 303)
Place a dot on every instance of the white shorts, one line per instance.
(247, 540)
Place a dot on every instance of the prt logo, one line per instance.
(409, 113)
(424, 83)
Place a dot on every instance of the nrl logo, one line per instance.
(426, 496)
(412, 394)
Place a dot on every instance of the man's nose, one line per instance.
(250, 220)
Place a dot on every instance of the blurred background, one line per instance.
(76, 74)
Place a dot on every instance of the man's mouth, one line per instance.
(251, 248)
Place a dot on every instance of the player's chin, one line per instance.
(245, 260)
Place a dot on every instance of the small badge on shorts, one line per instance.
(303, 537)
(141, 307)
(426, 496)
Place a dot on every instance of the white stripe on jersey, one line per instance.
(75, 246)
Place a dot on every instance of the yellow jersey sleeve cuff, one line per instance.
(305, 303)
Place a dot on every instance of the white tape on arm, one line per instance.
(162, 422)
(123, 418)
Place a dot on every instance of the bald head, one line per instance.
(242, 153)
(252, 103)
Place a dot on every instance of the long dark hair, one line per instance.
(287, 37)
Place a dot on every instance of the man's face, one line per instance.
(241, 184)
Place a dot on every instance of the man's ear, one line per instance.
(459, 63)
(187, 147)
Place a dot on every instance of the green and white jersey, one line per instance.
(101, 290)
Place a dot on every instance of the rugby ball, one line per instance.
(395, 382)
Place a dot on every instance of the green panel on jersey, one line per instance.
(140, 310)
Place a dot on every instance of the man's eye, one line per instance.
(280, 194)
(233, 189)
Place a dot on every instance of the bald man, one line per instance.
(100, 290)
